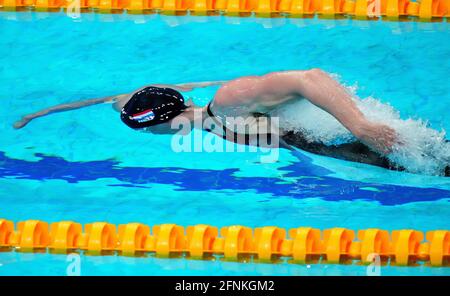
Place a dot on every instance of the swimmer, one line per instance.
(153, 108)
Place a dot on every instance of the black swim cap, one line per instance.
(152, 106)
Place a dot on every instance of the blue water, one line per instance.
(86, 166)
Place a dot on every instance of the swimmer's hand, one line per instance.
(22, 122)
(379, 137)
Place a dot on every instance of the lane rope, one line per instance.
(262, 244)
(426, 10)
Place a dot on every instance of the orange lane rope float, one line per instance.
(263, 244)
(388, 9)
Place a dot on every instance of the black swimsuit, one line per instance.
(227, 131)
(354, 151)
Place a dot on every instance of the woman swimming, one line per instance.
(154, 108)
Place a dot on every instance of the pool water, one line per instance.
(87, 166)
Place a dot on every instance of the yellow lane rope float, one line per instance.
(389, 9)
(264, 244)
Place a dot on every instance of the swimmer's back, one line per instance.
(254, 94)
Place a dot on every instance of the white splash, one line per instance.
(424, 150)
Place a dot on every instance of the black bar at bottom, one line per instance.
(223, 285)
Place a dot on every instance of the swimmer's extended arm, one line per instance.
(190, 85)
(64, 107)
(118, 101)
(193, 85)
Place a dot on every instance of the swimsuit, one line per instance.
(227, 132)
(354, 151)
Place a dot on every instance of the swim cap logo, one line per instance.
(143, 116)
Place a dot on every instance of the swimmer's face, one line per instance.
(168, 128)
